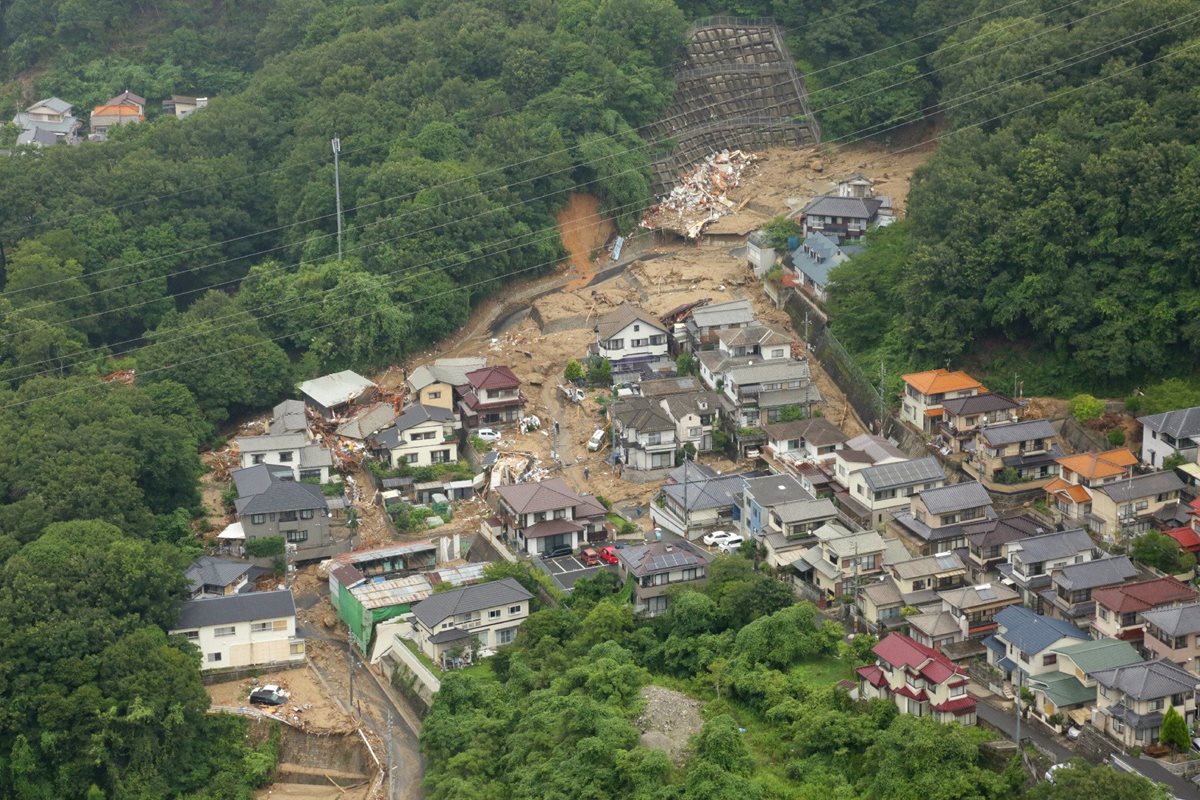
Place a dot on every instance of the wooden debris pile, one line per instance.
(702, 195)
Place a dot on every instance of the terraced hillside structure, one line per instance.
(738, 89)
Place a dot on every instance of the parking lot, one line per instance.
(565, 570)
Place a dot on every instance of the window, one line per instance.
(296, 648)
(306, 514)
(214, 658)
(614, 344)
(1156, 705)
(639, 342)
(257, 458)
(225, 630)
(294, 537)
(411, 458)
(1102, 613)
(260, 627)
(287, 457)
(958, 691)
(287, 516)
(258, 519)
(1049, 660)
(514, 609)
(1178, 699)
(506, 636)
(191, 636)
(494, 614)
(435, 395)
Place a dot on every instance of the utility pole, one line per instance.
(1019, 713)
(806, 337)
(686, 513)
(350, 667)
(391, 768)
(882, 383)
(337, 190)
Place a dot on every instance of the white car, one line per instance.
(731, 545)
(488, 435)
(597, 440)
(717, 537)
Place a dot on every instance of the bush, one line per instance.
(604, 501)
(686, 364)
(1116, 437)
(599, 372)
(1084, 407)
(573, 372)
(267, 546)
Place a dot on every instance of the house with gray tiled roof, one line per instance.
(886, 488)
(936, 519)
(1174, 634)
(1125, 508)
(631, 339)
(813, 439)
(696, 415)
(644, 433)
(696, 496)
(1032, 561)
(271, 503)
(542, 515)
(841, 561)
(659, 568)
(704, 323)
(473, 620)
(1132, 700)
(962, 416)
(815, 258)
(211, 576)
(1070, 594)
(840, 218)
(1170, 433)
(256, 629)
(48, 121)
(1024, 453)
(420, 437)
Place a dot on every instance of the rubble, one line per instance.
(702, 195)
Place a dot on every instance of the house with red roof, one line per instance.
(918, 679)
(491, 396)
(1119, 609)
(1188, 535)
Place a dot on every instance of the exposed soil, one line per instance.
(669, 720)
(308, 707)
(583, 232)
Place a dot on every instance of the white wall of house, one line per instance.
(491, 627)
(246, 644)
(638, 338)
(1156, 449)
(288, 457)
(426, 444)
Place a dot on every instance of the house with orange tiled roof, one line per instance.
(924, 393)
(1070, 493)
(105, 117)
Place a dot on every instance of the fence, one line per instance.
(862, 394)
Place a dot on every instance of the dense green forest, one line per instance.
(553, 715)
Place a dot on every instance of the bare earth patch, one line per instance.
(669, 721)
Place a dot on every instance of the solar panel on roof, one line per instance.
(986, 593)
(947, 562)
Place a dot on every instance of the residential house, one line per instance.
(791, 527)
(47, 122)
(758, 392)
(864, 450)
(925, 392)
(1015, 453)
(760, 253)
(210, 576)
(988, 539)
(420, 437)
(1024, 643)
(963, 416)
(883, 489)
(696, 499)
(400, 560)
(1127, 507)
(1070, 494)
(271, 503)
(257, 629)
(292, 450)
(366, 420)
(1070, 594)
(631, 340)
(548, 514)
(1188, 535)
(666, 387)
(658, 568)
(1032, 561)
(1120, 610)
(122, 112)
(1174, 634)
(289, 417)
(331, 395)
(1071, 687)
(842, 218)
(491, 396)
(695, 415)
(182, 106)
(1171, 433)
(974, 608)
(128, 98)
(840, 562)
(471, 620)
(1131, 700)
(920, 680)
(705, 322)
(912, 583)
(363, 603)
(815, 258)
(762, 341)
(759, 495)
(937, 519)
(644, 434)
(814, 439)
(433, 384)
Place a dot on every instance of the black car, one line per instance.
(559, 550)
(268, 696)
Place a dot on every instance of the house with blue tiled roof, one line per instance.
(1024, 642)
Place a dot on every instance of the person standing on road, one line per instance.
(556, 427)
(586, 473)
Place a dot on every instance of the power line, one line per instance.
(938, 137)
(960, 101)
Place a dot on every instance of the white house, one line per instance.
(864, 450)
(645, 434)
(466, 621)
(890, 487)
(421, 436)
(291, 450)
(695, 415)
(924, 393)
(760, 254)
(242, 630)
(629, 338)
(1170, 433)
(813, 439)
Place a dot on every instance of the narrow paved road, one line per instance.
(1146, 766)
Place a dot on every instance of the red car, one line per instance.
(608, 554)
(588, 557)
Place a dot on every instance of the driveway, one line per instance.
(566, 570)
(1006, 722)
